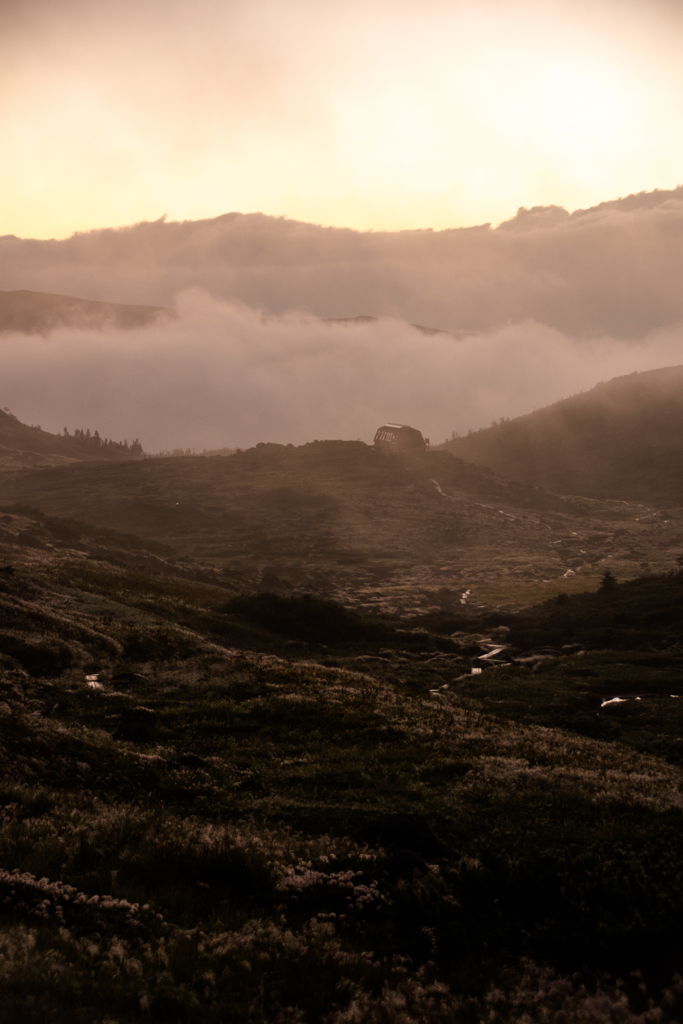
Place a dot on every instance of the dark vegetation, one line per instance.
(305, 617)
(216, 825)
(622, 439)
(23, 446)
(248, 773)
(99, 447)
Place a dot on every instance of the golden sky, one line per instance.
(383, 114)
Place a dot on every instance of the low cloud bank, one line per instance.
(224, 375)
(613, 270)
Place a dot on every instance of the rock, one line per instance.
(409, 832)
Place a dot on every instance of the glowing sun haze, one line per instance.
(383, 114)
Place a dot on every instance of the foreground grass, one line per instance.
(184, 843)
(204, 879)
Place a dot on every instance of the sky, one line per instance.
(504, 171)
(375, 115)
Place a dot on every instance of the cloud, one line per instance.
(542, 307)
(224, 375)
(613, 270)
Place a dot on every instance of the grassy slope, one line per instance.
(336, 518)
(576, 652)
(622, 439)
(219, 818)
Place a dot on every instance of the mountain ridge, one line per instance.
(621, 439)
(34, 312)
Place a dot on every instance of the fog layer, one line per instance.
(613, 270)
(223, 375)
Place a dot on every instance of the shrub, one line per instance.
(38, 655)
(304, 617)
(162, 644)
(609, 581)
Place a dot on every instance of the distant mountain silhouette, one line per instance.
(25, 447)
(39, 312)
(623, 439)
(429, 331)
(29, 312)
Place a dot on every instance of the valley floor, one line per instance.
(308, 735)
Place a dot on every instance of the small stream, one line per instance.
(623, 700)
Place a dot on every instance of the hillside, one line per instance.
(622, 439)
(338, 519)
(29, 312)
(28, 447)
(199, 826)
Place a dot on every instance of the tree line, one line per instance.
(103, 444)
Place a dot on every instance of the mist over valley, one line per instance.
(226, 332)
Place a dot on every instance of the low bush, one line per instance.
(160, 643)
(305, 617)
(41, 656)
